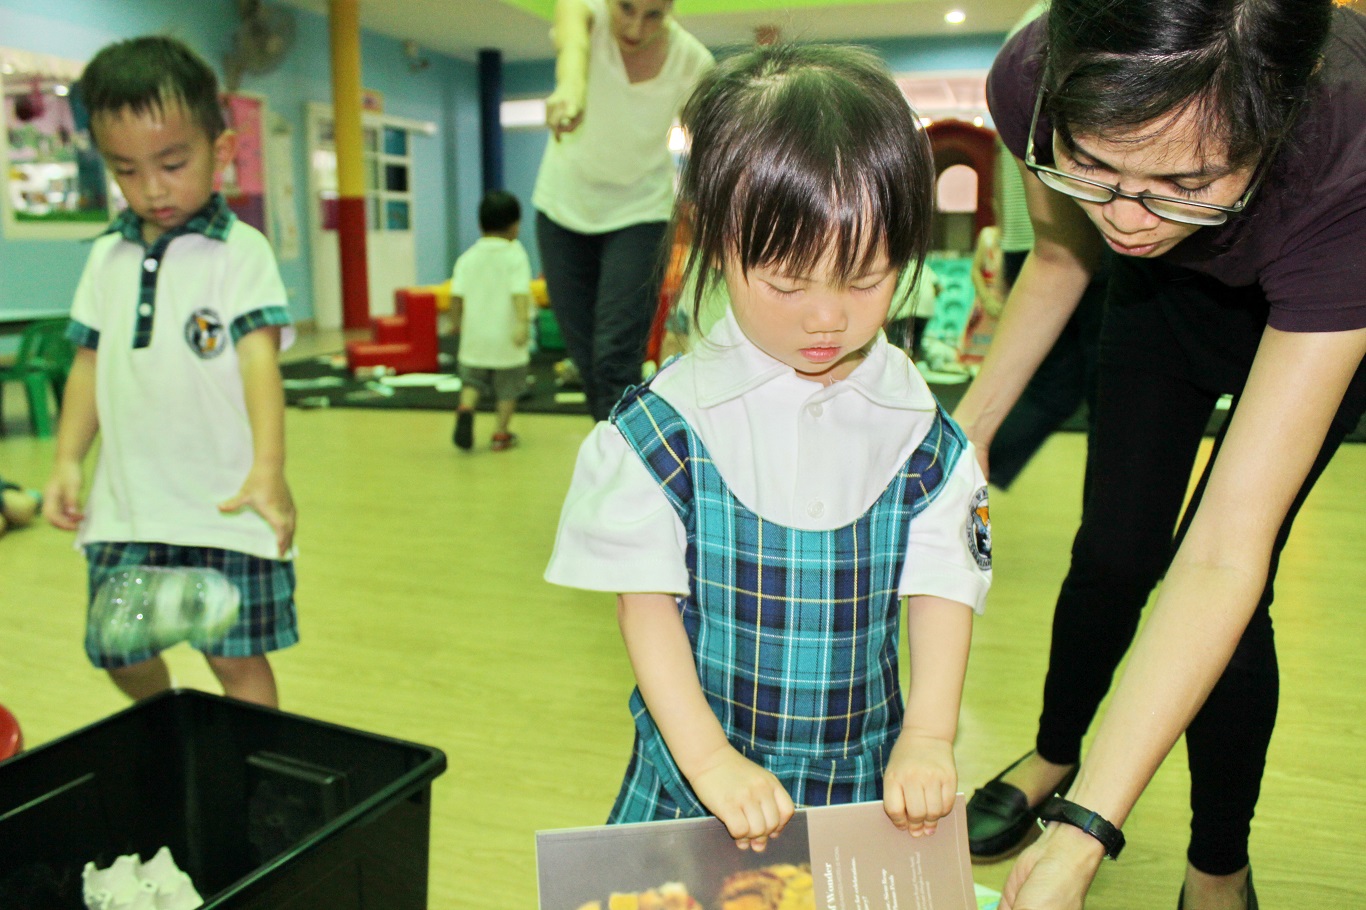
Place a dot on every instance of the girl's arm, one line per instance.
(264, 488)
(1066, 251)
(564, 107)
(76, 430)
(747, 798)
(1210, 592)
(921, 779)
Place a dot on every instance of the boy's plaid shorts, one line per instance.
(266, 621)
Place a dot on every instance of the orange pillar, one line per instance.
(344, 29)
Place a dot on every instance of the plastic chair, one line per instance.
(44, 360)
(11, 739)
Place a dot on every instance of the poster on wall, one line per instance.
(243, 182)
(832, 857)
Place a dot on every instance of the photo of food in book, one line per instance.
(782, 886)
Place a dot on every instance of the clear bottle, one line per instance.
(149, 608)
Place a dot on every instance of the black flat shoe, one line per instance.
(1001, 820)
(1251, 895)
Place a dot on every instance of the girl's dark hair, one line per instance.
(498, 211)
(1246, 66)
(800, 152)
(145, 74)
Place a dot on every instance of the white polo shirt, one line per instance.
(175, 439)
(616, 170)
(794, 451)
(487, 277)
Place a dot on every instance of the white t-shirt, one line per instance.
(615, 170)
(487, 276)
(175, 439)
(794, 451)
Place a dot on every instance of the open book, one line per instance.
(829, 858)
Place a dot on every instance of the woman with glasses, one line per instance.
(1219, 148)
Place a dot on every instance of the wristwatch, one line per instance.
(1057, 809)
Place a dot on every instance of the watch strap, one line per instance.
(1057, 809)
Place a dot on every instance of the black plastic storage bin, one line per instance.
(264, 810)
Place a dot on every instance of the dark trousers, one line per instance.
(1064, 381)
(1171, 345)
(604, 290)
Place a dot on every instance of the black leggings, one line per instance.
(1155, 395)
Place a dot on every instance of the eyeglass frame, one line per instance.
(1141, 198)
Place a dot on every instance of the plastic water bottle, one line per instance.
(148, 608)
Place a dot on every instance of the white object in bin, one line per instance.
(130, 884)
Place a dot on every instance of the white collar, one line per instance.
(726, 365)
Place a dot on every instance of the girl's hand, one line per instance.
(748, 799)
(62, 497)
(920, 783)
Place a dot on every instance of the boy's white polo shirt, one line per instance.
(175, 439)
(793, 451)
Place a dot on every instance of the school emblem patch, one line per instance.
(979, 529)
(206, 334)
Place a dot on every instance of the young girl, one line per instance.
(762, 505)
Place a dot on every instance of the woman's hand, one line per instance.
(1055, 873)
(564, 110)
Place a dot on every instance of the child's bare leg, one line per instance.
(247, 678)
(505, 411)
(469, 398)
(142, 680)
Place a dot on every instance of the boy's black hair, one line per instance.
(1246, 66)
(144, 75)
(498, 211)
(800, 152)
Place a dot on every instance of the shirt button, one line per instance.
(816, 410)
(145, 309)
(815, 508)
(149, 264)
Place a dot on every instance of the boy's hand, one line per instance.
(268, 495)
(748, 799)
(62, 497)
(520, 336)
(920, 783)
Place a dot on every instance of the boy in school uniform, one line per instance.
(178, 320)
(491, 290)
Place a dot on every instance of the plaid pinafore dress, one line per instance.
(794, 632)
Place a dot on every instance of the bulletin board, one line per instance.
(243, 182)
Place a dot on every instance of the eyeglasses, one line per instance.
(1169, 208)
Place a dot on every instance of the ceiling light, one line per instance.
(955, 17)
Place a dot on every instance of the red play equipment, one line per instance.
(404, 342)
(11, 739)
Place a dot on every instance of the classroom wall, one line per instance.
(43, 274)
(522, 148)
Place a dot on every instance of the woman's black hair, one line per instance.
(1245, 65)
(800, 152)
(145, 74)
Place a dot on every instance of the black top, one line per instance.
(1303, 235)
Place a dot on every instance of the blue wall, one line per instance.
(522, 148)
(43, 274)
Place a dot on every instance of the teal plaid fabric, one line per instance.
(794, 632)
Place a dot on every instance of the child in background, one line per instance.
(764, 503)
(17, 505)
(178, 320)
(491, 291)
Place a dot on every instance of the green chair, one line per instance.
(43, 361)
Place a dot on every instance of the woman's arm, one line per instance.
(748, 799)
(564, 107)
(1066, 251)
(1211, 590)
